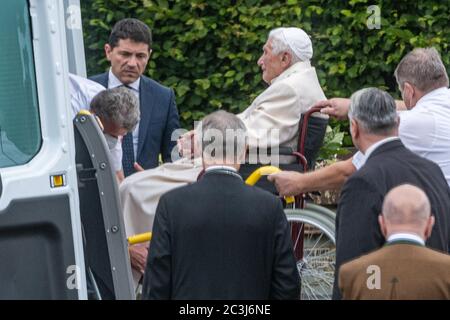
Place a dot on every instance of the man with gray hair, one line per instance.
(118, 111)
(406, 222)
(219, 238)
(374, 129)
(423, 83)
(82, 93)
(223, 139)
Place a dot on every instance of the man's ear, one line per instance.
(354, 128)
(408, 94)
(429, 227)
(99, 121)
(108, 50)
(408, 87)
(382, 224)
(286, 59)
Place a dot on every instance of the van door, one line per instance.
(41, 247)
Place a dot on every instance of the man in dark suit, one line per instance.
(374, 130)
(219, 238)
(404, 268)
(128, 50)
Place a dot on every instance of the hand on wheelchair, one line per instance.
(138, 256)
(288, 183)
(334, 107)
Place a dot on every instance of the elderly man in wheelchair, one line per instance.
(280, 109)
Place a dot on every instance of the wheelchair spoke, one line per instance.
(298, 235)
(316, 268)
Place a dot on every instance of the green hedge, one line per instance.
(207, 50)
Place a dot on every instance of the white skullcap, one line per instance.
(299, 42)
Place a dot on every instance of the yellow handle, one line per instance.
(84, 112)
(251, 180)
(265, 171)
(139, 238)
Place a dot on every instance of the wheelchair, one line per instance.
(312, 226)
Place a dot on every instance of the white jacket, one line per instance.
(280, 106)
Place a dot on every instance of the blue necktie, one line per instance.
(128, 154)
(128, 150)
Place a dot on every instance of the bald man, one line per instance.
(404, 268)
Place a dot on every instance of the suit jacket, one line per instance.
(220, 239)
(390, 165)
(140, 193)
(159, 118)
(407, 272)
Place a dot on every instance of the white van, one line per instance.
(61, 230)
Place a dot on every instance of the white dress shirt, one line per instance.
(82, 91)
(114, 82)
(425, 130)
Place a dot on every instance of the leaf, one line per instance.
(204, 83)
(346, 13)
(229, 74)
(181, 90)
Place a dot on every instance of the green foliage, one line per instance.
(207, 50)
(332, 144)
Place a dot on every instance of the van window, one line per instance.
(20, 137)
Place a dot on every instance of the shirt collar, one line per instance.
(376, 145)
(114, 82)
(296, 67)
(213, 168)
(406, 236)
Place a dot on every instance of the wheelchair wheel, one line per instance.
(313, 236)
(321, 210)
